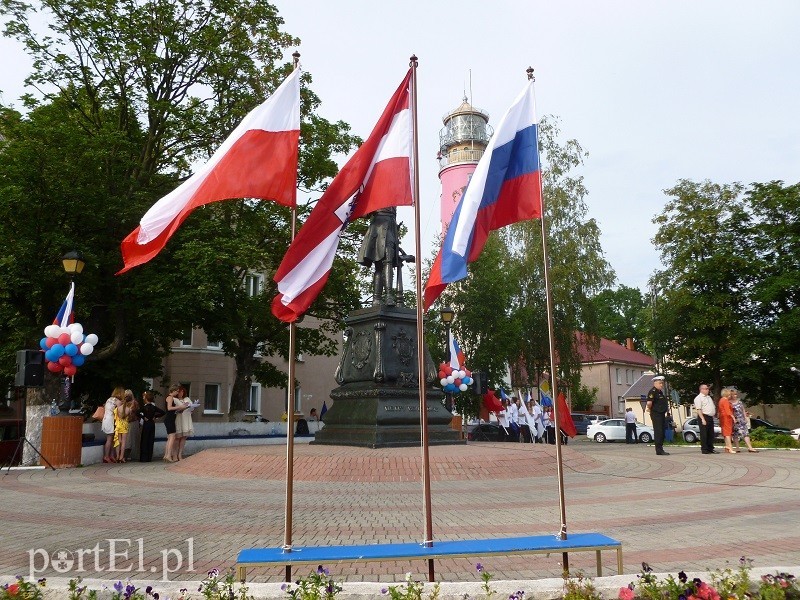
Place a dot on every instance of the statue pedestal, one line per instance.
(377, 402)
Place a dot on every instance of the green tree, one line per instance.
(702, 306)
(619, 315)
(771, 349)
(129, 96)
(578, 269)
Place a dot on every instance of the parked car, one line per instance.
(756, 422)
(691, 430)
(582, 422)
(483, 432)
(612, 430)
(795, 433)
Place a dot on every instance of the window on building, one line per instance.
(186, 340)
(253, 284)
(214, 345)
(254, 400)
(619, 375)
(211, 398)
(298, 394)
(620, 405)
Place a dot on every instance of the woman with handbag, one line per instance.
(148, 413)
(107, 425)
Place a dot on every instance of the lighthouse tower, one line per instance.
(462, 142)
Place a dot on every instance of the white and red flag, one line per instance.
(258, 160)
(377, 176)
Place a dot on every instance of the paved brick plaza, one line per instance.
(685, 511)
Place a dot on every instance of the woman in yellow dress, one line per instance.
(121, 427)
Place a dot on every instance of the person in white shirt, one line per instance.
(502, 418)
(513, 417)
(705, 409)
(537, 420)
(524, 425)
(630, 427)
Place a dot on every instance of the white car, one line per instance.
(795, 433)
(612, 430)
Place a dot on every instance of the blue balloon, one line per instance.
(70, 349)
(43, 344)
(78, 360)
(57, 350)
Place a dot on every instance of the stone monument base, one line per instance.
(383, 417)
(377, 402)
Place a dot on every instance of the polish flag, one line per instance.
(258, 160)
(378, 176)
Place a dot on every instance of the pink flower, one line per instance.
(626, 593)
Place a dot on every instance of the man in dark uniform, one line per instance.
(658, 406)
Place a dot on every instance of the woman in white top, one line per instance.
(183, 422)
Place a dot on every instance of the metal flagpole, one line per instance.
(562, 534)
(423, 408)
(287, 530)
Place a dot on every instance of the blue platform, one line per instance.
(327, 555)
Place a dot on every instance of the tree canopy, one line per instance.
(127, 97)
(726, 308)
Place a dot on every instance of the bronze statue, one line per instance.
(381, 248)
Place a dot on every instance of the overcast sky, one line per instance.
(655, 91)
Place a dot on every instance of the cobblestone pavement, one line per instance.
(684, 511)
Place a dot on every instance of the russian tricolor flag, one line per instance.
(505, 188)
(456, 355)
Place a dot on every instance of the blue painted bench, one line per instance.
(328, 555)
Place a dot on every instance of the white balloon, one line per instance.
(76, 337)
(76, 327)
(91, 339)
(463, 387)
(87, 349)
(462, 374)
(443, 381)
(450, 379)
(52, 331)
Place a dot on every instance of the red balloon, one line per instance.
(65, 360)
(50, 341)
(442, 375)
(468, 372)
(54, 367)
(448, 369)
(70, 370)
(442, 366)
(64, 339)
(457, 382)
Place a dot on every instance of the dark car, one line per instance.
(582, 422)
(484, 432)
(755, 423)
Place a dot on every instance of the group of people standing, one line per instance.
(525, 421)
(733, 418)
(127, 424)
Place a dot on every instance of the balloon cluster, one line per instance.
(454, 380)
(66, 348)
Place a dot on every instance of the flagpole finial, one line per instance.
(414, 61)
(296, 58)
(529, 71)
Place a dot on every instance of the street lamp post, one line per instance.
(73, 263)
(448, 314)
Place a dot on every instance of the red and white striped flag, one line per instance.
(378, 176)
(258, 160)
